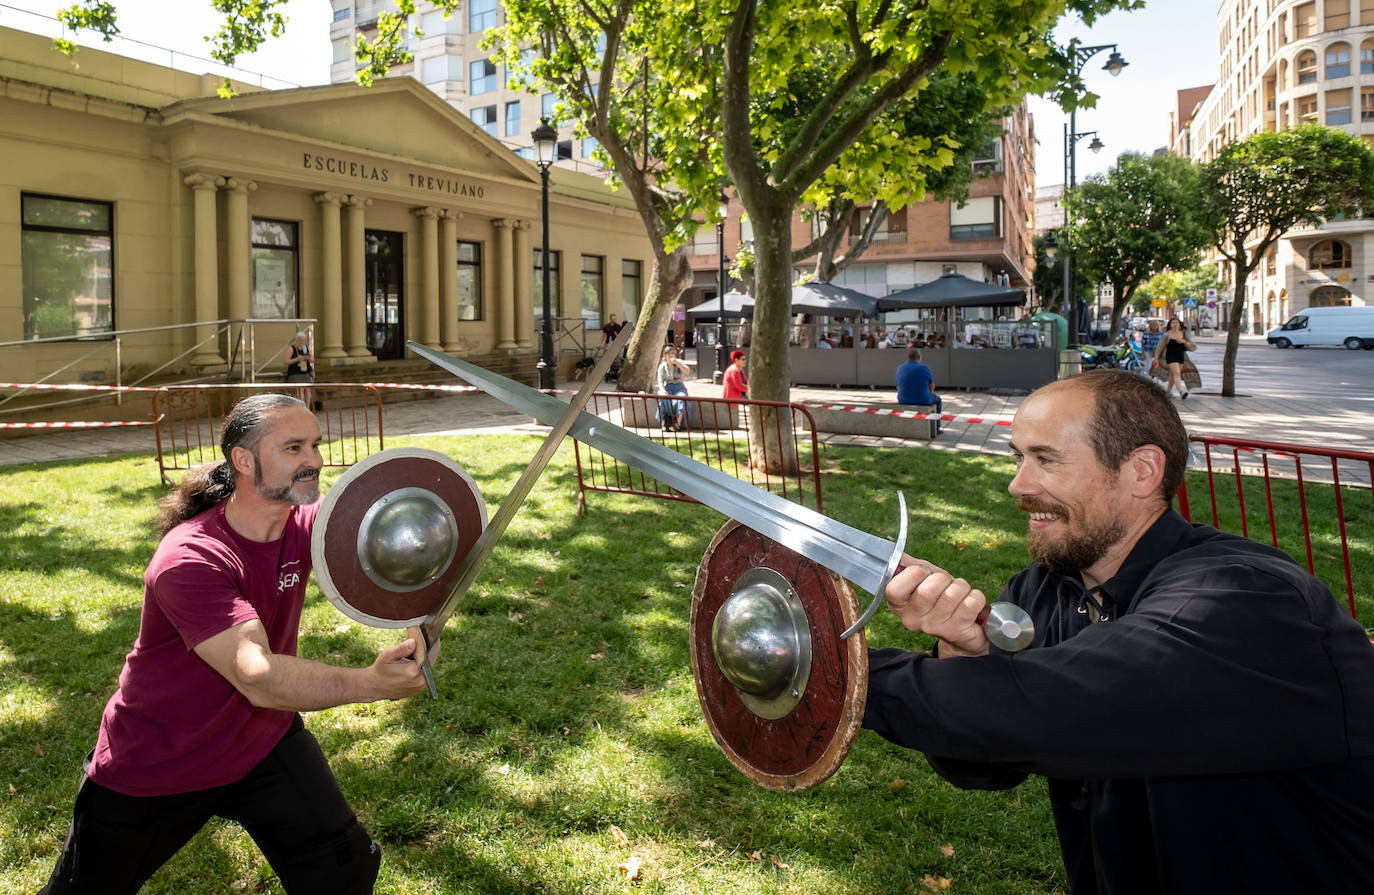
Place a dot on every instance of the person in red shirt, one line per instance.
(736, 383)
(205, 721)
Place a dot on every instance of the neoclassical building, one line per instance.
(133, 196)
(1283, 63)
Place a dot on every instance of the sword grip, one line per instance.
(421, 655)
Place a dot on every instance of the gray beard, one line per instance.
(288, 493)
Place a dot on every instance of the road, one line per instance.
(1335, 375)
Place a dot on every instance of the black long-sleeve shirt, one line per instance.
(1214, 734)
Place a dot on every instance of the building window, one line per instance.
(1337, 14)
(485, 118)
(482, 77)
(526, 152)
(564, 150)
(1330, 297)
(1307, 67)
(438, 69)
(437, 23)
(589, 145)
(1271, 259)
(513, 118)
(522, 70)
(1367, 104)
(631, 289)
(1338, 61)
(481, 15)
(704, 241)
(1367, 58)
(1305, 21)
(1328, 254)
(341, 14)
(469, 280)
(276, 269)
(67, 259)
(554, 281)
(343, 51)
(1338, 107)
(1307, 108)
(977, 219)
(547, 103)
(593, 290)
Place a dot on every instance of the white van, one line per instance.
(1352, 327)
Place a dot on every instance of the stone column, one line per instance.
(206, 256)
(239, 257)
(428, 317)
(355, 298)
(523, 298)
(503, 283)
(329, 337)
(448, 278)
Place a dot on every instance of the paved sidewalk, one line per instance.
(1314, 423)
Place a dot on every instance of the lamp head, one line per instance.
(545, 143)
(1115, 63)
(1096, 145)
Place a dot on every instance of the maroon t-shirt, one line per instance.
(175, 724)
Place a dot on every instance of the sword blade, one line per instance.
(563, 420)
(864, 559)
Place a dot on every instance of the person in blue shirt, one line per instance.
(916, 384)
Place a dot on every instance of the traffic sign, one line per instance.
(1190, 302)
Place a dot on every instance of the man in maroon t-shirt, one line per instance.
(205, 722)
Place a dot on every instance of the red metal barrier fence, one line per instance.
(188, 419)
(1289, 511)
(717, 434)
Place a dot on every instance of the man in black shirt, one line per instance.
(1202, 707)
(610, 331)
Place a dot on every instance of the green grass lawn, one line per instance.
(566, 705)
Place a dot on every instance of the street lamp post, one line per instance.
(545, 147)
(722, 347)
(1115, 63)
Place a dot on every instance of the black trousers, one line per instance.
(289, 803)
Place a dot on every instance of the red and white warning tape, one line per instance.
(914, 415)
(74, 387)
(77, 424)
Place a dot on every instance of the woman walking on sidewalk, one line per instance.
(1172, 352)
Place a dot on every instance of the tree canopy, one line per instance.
(1257, 189)
(1134, 221)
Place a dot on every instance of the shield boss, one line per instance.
(392, 533)
(782, 694)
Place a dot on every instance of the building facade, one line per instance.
(1283, 63)
(450, 62)
(132, 197)
(987, 238)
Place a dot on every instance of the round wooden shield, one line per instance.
(807, 745)
(391, 535)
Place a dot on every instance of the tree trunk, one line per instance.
(769, 378)
(1228, 365)
(670, 276)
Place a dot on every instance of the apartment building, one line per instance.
(1282, 63)
(988, 238)
(449, 61)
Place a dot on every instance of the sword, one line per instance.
(864, 559)
(563, 419)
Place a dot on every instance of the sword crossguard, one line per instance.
(880, 595)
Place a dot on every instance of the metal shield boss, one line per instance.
(391, 534)
(782, 692)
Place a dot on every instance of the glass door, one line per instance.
(385, 308)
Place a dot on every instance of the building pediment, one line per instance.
(395, 116)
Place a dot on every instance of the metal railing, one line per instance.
(717, 434)
(107, 352)
(188, 419)
(1255, 465)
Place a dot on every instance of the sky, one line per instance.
(1170, 45)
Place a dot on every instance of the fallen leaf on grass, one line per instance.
(777, 862)
(896, 785)
(705, 843)
(599, 654)
(992, 543)
(38, 751)
(12, 789)
(619, 836)
(947, 850)
(408, 757)
(937, 883)
(631, 868)
(503, 770)
(756, 856)
(960, 546)
(539, 582)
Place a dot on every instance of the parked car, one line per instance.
(1351, 326)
